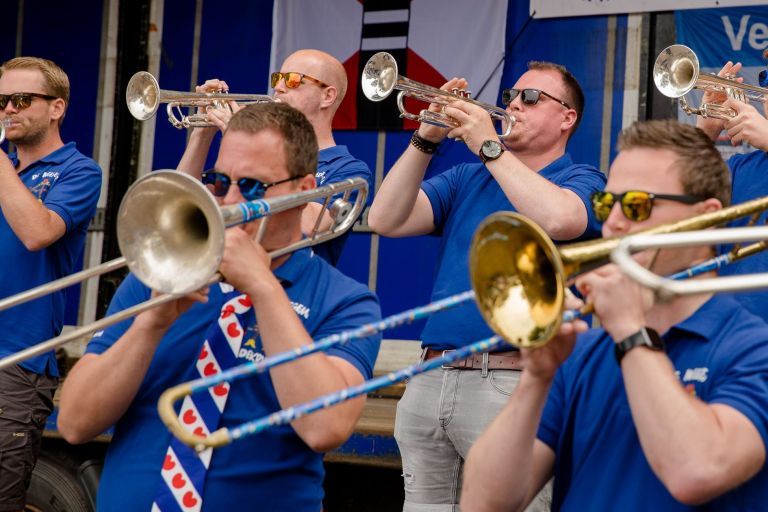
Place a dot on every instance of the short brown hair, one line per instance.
(574, 96)
(298, 136)
(55, 80)
(703, 173)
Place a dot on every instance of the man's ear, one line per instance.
(709, 205)
(330, 94)
(569, 119)
(57, 109)
(307, 182)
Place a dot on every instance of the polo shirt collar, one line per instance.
(326, 155)
(556, 167)
(56, 157)
(290, 271)
(708, 320)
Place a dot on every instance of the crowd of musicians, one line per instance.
(664, 406)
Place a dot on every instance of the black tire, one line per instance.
(55, 488)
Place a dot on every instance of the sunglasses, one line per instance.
(22, 100)
(528, 96)
(636, 205)
(293, 79)
(251, 189)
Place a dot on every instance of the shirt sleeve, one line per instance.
(741, 377)
(74, 195)
(130, 292)
(584, 180)
(442, 191)
(552, 416)
(351, 314)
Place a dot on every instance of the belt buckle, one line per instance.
(443, 366)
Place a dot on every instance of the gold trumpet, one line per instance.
(519, 276)
(144, 96)
(677, 72)
(380, 78)
(170, 230)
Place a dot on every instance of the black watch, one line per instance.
(490, 150)
(645, 337)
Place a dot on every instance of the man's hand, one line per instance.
(544, 361)
(713, 126)
(245, 264)
(619, 302)
(218, 116)
(435, 133)
(162, 317)
(748, 125)
(476, 124)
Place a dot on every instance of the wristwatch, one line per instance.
(645, 337)
(490, 150)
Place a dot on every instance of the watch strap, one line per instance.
(645, 337)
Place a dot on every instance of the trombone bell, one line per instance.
(518, 279)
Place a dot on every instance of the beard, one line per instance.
(33, 135)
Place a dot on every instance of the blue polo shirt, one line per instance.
(461, 198)
(273, 470)
(67, 183)
(721, 356)
(336, 164)
(749, 180)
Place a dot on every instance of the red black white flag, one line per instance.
(431, 40)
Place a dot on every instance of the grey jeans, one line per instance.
(438, 418)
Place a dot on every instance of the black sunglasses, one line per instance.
(636, 205)
(22, 100)
(251, 189)
(528, 96)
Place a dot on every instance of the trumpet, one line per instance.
(170, 230)
(515, 270)
(677, 72)
(380, 78)
(144, 96)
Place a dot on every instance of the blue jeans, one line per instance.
(438, 418)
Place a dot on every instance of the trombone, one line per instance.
(677, 72)
(516, 270)
(380, 78)
(144, 96)
(170, 230)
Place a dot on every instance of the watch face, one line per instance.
(491, 149)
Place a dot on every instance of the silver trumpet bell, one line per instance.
(144, 96)
(677, 72)
(380, 78)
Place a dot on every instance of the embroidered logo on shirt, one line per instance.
(697, 374)
(320, 177)
(300, 309)
(41, 188)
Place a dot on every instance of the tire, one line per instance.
(55, 488)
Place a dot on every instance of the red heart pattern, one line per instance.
(168, 464)
(203, 354)
(245, 301)
(210, 369)
(233, 331)
(189, 417)
(220, 390)
(178, 481)
(199, 432)
(227, 310)
(189, 500)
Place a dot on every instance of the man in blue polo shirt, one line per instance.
(48, 194)
(314, 83)
(666, 406)
(442, 413)
(749, 175)
(296, 297)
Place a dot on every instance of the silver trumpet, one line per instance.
(170, 230)
(380, 78)
(144, 96)
(5, 123)
(677, 72)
